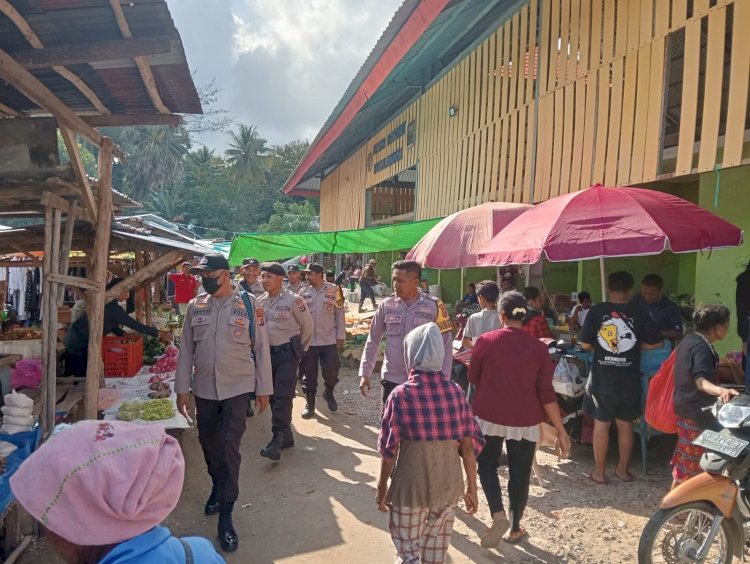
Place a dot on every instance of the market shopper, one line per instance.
(76, 339)
(100, 489)
(424, 420)
(399, 313)
(250, 271)
(329, 335)
(512, 372)
(367, 280)
(294, 276)
(696, 387)
(290, 331)
(577, 315)
(662, 310)
(486, 320)
(742, 302)
(185, 286)
(535, 323)
(616, 330)
(224, 354)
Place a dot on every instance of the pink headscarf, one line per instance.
(102, 482)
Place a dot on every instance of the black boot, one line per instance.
(273, 449)
(288, 440)
(330, 400)
(212, 505)
(228, 538)
(309, 411)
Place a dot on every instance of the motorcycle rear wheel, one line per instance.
(674, 536)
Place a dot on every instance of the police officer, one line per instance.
(290, 330)
(250, 271)
(295, 279)
(327, 311)
(397, 315)
(216, 356)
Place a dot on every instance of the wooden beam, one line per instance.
(75, 281)
(8, 111)
(23, 251)
(67, 243)
(87, 53)
(122, 120)
(51, 200)
(77, 163)
(145, 274)
(98, 273)
(34, 90)
(141, 62)
(82, 87)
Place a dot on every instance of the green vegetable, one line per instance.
(133, 405)
(158, 409)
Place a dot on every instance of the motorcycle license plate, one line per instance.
(724, 444)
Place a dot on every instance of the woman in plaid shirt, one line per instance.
(425, 418)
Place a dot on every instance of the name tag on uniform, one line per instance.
(282, 313)
(239, 313)
(421, 314)
(393, 318)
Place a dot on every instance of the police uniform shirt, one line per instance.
(216, 346)
(286, 316)
(256, 289)
(327, 313)
(394, 319)
(297, 288)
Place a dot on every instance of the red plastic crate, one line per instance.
(123, 356)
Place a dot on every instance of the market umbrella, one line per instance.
(603, 222)
(456, 239)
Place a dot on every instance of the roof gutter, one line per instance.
(409, 34)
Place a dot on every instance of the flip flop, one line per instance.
(627, 479)
(590, 476)
(515, 540)
(494, 534)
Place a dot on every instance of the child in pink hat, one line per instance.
(101, 488)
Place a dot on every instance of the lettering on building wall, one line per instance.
(391, 138)
(391, 159)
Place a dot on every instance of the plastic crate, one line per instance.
(123, 356)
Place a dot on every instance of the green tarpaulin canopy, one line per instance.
(275, 246)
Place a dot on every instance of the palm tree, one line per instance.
(247, 155)
(155, 157)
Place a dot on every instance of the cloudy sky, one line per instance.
(280, 64)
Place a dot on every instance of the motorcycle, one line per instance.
(703, 519)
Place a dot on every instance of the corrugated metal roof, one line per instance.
(116, 83)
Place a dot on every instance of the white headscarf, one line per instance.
(424, 349)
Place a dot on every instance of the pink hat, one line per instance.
(102, 482)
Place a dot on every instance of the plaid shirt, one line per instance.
(427, 407)
(537, 327)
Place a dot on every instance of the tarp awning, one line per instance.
(274, 246)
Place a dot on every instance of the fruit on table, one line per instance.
(158, 409)
(21, 335)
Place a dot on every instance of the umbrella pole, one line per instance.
(462, 280)
(604, 280)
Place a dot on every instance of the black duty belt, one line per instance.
(281, 348)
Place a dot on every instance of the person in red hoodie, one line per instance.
(512, 372)
(185, 286)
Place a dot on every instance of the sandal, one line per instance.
(627, 479)
(603, 482)
(492, 537)
(519, 536)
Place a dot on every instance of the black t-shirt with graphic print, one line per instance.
(616, 332)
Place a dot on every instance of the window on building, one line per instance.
(411, 133)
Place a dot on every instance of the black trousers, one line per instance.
(366, 291)
(284, 365)
(328, 358)
(520, 460)
(221, 424)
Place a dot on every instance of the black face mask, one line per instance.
(211, 285)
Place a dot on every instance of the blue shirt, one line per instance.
(471, 298)
(665, 313)
(158, 546)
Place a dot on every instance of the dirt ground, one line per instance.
(317, 504)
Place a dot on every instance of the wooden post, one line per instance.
(138, 295)
(67, 243)
(148, 304)
(46, 330)
(99, 274)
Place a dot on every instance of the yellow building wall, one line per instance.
(591, 94)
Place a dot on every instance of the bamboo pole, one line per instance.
(46, 266)
(148, 303)
(99, 274)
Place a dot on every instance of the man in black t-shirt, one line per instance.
(617, 331)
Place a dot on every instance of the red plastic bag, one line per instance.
(660, 400)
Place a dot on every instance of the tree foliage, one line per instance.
(291, 217)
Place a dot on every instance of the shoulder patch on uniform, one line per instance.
(260, 315)
(442, 319)
(300, 303)
(339, 298)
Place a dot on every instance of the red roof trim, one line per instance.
(412, 30)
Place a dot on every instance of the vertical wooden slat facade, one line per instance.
(565, 94)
